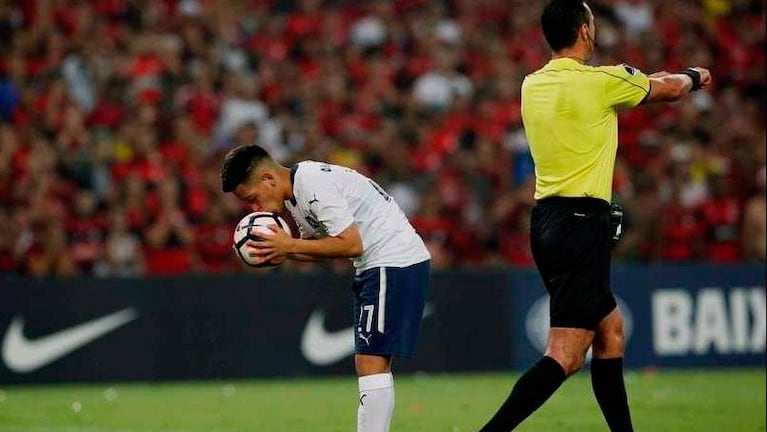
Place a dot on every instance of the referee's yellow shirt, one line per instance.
(569, 111)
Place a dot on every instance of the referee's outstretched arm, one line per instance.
(668, 87)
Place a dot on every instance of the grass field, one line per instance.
(666, 401)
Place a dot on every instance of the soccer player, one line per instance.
(569, 111)
(341, 213)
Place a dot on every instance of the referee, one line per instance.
(569, 110)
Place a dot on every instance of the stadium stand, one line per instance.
(115, 114)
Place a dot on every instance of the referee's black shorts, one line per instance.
(570, 241)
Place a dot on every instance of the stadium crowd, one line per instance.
(115, 115)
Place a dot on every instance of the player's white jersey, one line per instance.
(329, 198)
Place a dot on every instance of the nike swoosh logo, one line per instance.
(23, 355)
(322, 348)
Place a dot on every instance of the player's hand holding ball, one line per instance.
(261, 239)
(273, 246)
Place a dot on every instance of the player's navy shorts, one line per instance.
(570, 241)
(388, 309)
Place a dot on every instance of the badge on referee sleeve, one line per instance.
(630, 69)
(624, 86)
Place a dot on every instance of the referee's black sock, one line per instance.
(529, 393)
(610, 391)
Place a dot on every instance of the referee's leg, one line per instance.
(607, 372)
(565, 353)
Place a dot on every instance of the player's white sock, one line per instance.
(376, 403)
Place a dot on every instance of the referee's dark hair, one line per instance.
(239, 164)
(561, 20)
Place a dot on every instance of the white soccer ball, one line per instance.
(253, 227)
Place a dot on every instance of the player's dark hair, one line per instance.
(239, 164)
(561, 20)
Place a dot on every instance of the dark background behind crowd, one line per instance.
(115, 115)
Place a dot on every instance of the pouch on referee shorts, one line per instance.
(616, 223)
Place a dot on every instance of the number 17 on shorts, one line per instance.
(388, 307)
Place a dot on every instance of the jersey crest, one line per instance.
(312, 220)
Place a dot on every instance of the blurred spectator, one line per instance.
(50, 255)
(9, 97)
(755, 223)
(438, 231)
(437, 88)
(85, 231)
(515, 240)
(722, 216)
(245, 120)
(681, 228)
(123, 255)
(643, 213)
(169, 237)
(214, 238)
(134, 199)
(7, 258)
(370, 30)
(636, 17)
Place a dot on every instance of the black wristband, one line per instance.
(694, 76)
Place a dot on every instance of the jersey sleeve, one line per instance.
(625, 86)
(329, 206)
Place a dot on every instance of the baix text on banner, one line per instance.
(709, 320)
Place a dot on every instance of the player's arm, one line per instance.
(279, 245)
(669, 87)
(304, 257)
(346, 244)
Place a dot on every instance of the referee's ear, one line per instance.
(585, 33)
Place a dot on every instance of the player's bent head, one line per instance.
(561, 20)
(240, 163)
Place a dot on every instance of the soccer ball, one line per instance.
(250, 228)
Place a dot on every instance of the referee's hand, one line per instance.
(705, 76)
